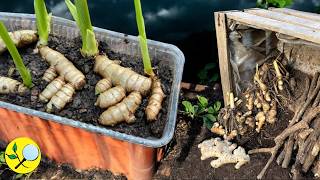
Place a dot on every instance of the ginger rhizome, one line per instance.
(103, 85)
(8, 85)
(155, 100)
(20, 38)
(110, 97)
(123, 111)
(224, 151)
(60, 90)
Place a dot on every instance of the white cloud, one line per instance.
(162, 13)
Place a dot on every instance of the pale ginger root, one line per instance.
(8, 85)
(51, 89)
(155, 100)
(249, 103)
(225, 151)
(123, 111)
(50, 74)
(103, 85)
(110, 97)
(260, 120)
(125, 77)
(63, 67)
(279, 75)
(20, 38)
(272, 113)
(217, 129)
(61, 98)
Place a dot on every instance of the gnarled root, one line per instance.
(225, 151)
(125, 77)
(123, 111)
(110, 97)
(63, 67)
(58, 92)
(20, 38)
(61, 98)
(8, 85)
(155, 100)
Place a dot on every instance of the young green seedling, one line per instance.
(202, 110)
(43, 21)
(80, 13)
(24, 72)
(143, 39)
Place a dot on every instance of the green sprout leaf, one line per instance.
(18, 176)
(80, 13)
(203, 102)
(24, 72)
(43, 21)
(217, 106)
(143, 39)
(207, 122)
(15, 147)
(188, 106)
(12, 156)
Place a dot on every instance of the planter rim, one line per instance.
(152, 142)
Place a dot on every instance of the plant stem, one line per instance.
(43, 21)
(24, 72)
(143, 39)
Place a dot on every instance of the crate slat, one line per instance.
(283, 17)
(224, 63)
(275, 25)
(292, 12)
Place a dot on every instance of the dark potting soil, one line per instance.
(82, 107)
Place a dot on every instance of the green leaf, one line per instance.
(91, 44)
(217, 106)
(203, 102)
(188, 106)
(211, 117)
(14, 147)
(214, 78)
(24, 72)
(211, 110)
(2, 158)
(73, 10)
(143, 38)
(207, 122)
(43, 21)
(12, 156)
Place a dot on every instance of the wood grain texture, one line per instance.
(290, 29)
(301, 14)
(224, 62)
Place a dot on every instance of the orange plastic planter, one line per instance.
(80, 148)
(86, 146)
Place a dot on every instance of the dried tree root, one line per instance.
(8, 85)
(110, 97)
(51, 89)
(20, 38)
(280, 139)
(155, 100)
(316, 168)
(61, 98)
(123, 111)
(103, 85)
(311, 156)
(125, 77)
(316, 101)
(63, 67)
(288, 152)
(313, 83)
(304, 96)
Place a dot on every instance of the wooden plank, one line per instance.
(275, 25)
(301, 14)
(224, 63)
(286, 18)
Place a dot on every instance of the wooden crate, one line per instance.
(302, 25)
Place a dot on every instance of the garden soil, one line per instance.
(82, 107)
